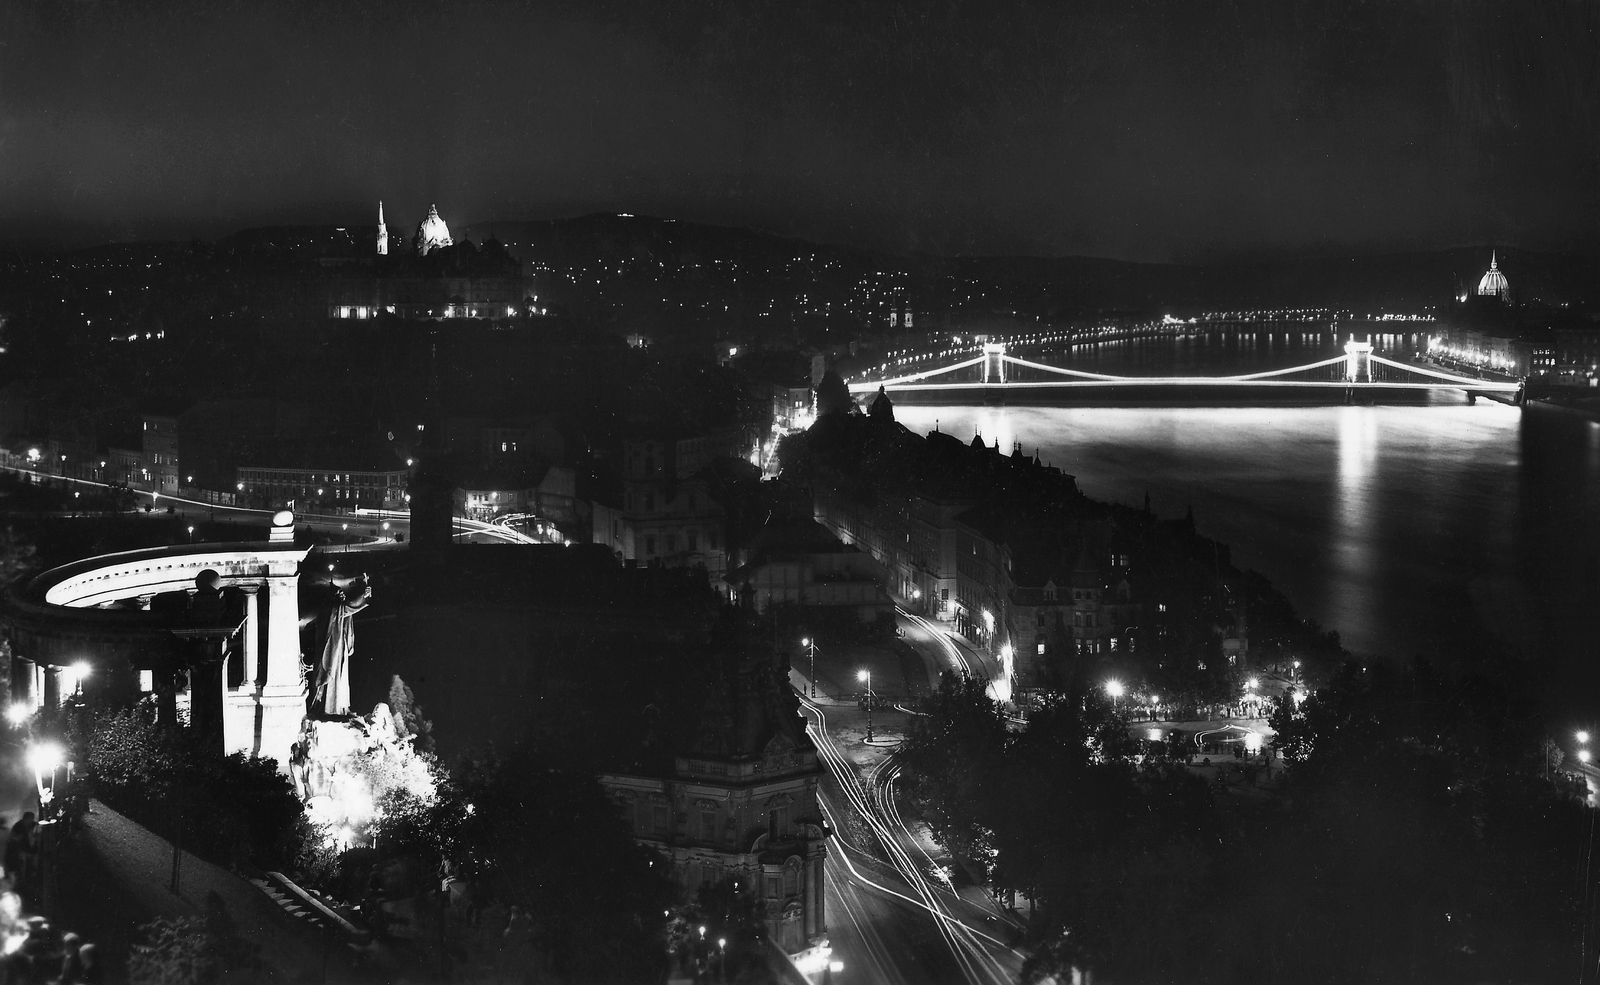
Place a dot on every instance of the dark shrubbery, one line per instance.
(229, 810)
(194, 951)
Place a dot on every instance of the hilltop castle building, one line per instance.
(437, 278)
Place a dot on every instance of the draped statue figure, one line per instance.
(333, 676)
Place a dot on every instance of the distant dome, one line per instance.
(1494, 282)
(432, 233)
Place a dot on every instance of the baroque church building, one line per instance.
(739, 803)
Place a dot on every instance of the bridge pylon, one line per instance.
(1358, 361)
(994, 362)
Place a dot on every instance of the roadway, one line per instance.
(943, 650)
(381, 528)
(894, 914)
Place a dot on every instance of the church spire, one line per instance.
(383, 232)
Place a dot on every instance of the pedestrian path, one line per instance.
(124, 881)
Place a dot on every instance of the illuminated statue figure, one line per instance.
(383, 233)
(333, 677)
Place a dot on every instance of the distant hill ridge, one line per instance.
(1399, 281)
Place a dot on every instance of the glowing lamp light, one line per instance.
(44, 758)
(1252, 685)
(1582, 736)
(988, 620)
(283, 518)
(18, 713)
(1114, 688)
(916, 593)
(1252, 741)
(1583, 755)
(1154, 735)
(861, 675)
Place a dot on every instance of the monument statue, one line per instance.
(333, 675)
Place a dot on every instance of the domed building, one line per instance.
(432, 233)
(1494, 282)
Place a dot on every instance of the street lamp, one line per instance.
(191, 534)
(1582, 737)
(44, 759)
(18, 713)
(1583, 755)
(80, 670)
(811, 645)
(1114, 691)
(866, 675)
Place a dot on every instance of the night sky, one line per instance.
(1154, 130)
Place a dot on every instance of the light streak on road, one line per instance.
(967, 945)
(957, 655)
(958, 660)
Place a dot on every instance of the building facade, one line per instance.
(740, 805)
(337, 489)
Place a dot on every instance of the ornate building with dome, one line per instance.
(1494, 283)
(437, 278)
(432, 233)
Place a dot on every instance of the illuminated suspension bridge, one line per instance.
(1358, 369)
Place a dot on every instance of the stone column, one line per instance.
(282, 700)
(208, 693)
(239, 722)
(252, 637)
(22, 682)
(52, 690)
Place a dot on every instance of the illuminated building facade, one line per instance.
(437, 279)
(276, 487)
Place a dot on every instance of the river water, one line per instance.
(1410, 529)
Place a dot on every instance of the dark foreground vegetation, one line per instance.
(1420, 834)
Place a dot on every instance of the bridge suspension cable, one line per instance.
(1285, 372)
(862, 387)
(1420, 371)
(1064, 372)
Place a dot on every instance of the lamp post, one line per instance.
(811, 645)
(1114, 691)
(44, 759)
(866, 675)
